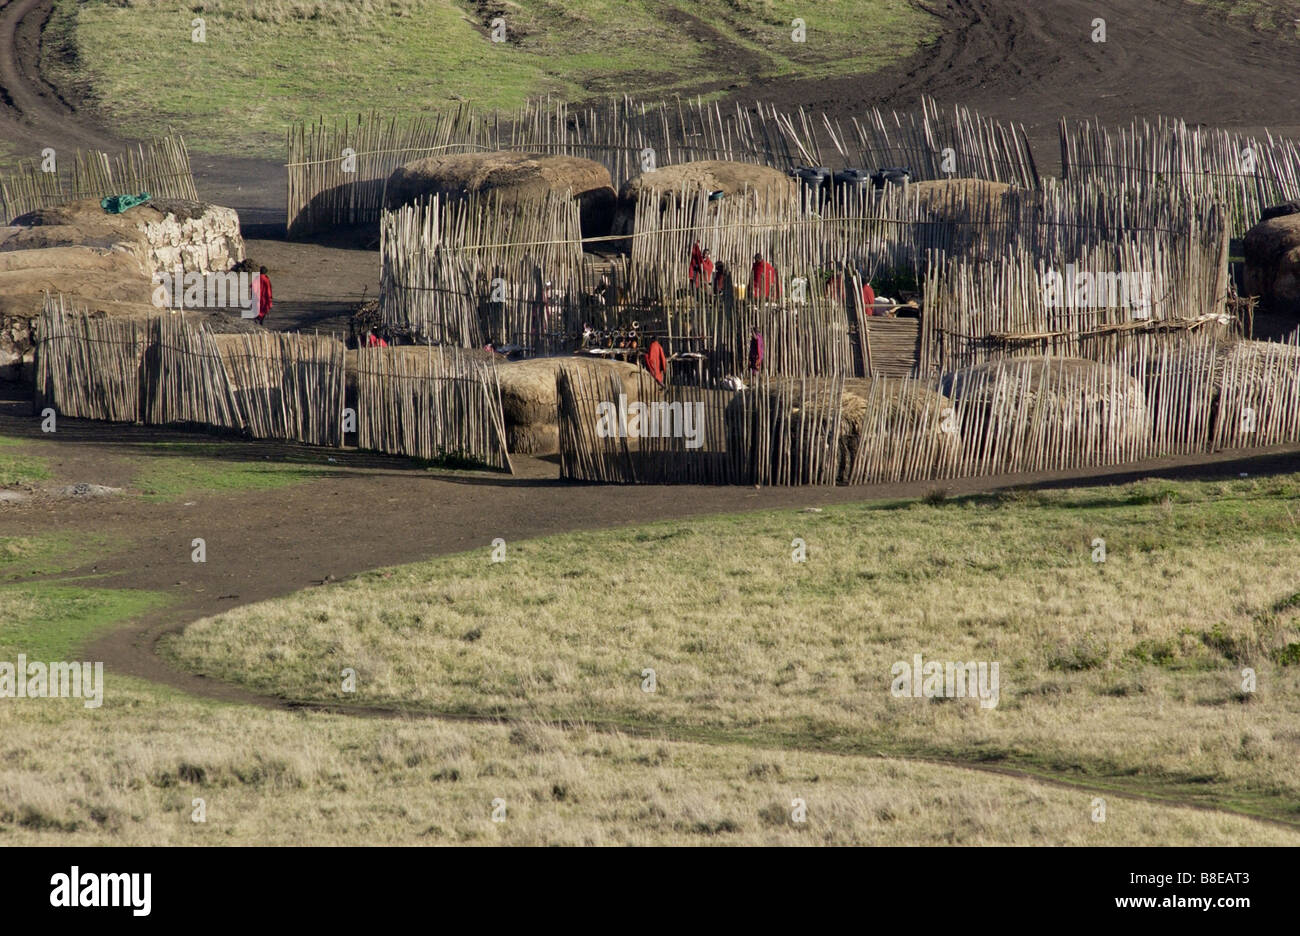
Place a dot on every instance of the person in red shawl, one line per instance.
(706, 270)
(697, 261)
(756, 351)
(868, 297)
(762, 282)
(262, 289)
(722, 278)
(655, 361)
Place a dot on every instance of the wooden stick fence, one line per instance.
(975, 310)
(776, 433)
(89, 368)
(1244, 174)
(1259, 395)
(430, 405)
(467, 272)
(287, 386)
(185, 379)
(932, 144)
(160, 167)
(1180, 394)
(162, 371)
(1173, 392)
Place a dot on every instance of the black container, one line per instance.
(817, 178)
(896, 175)
(855, 180)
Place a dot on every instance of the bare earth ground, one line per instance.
(1007, 58)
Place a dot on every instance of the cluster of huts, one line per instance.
(1021, 322)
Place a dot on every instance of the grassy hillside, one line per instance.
(265, 63)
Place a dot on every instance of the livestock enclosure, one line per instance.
(472, 271)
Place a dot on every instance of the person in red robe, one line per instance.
(263, 291)
(706, 270)
(756, 351)
(868, 297)
(762, 281)
(721, 278)
(655, 362)
(697, 261)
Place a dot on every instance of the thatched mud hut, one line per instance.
(1043, 400)
(709, 175)
(103, 262)
(1272, 253)
(528, 398)
(514, 177)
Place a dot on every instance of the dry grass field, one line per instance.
(130, 772)
(1125, 674)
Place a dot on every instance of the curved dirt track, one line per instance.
(1027, 60)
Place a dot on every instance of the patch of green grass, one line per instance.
(48, 553)
(53, 621)
(22, 469)
(267, 63)
(212, 470)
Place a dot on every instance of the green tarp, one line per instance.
(116, 204)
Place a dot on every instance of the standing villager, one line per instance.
(757, 351)
(721, 278)
(762, 281)
(262, 289)
(697, 261)
(706, 270)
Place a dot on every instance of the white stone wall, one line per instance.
(210, 243)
